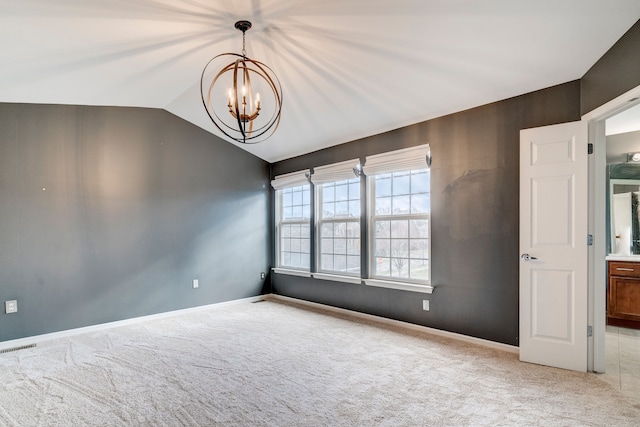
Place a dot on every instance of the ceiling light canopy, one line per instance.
(231, 94)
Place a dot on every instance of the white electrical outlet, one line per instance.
(196, 283)
(425, 304)
(11, 306)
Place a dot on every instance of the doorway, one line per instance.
(613, 128)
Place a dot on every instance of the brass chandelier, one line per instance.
(243, 116)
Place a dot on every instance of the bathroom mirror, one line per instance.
(625, 223)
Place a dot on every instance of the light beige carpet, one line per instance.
(277, 364)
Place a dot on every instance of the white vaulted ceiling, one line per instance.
(349, 68)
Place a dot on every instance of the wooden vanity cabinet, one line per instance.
(623, 296)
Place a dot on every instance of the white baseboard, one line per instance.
(103, 326)
(409, 326)
(398, 323)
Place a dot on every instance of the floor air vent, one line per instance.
(22, 347)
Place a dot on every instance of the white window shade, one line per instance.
(397, 161)
(335, 172)
(291, 179)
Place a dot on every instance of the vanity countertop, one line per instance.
(631, 258)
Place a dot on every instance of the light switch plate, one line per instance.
(11, 306)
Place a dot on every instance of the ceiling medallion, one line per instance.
(231, 95)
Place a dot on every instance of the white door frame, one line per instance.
(596, 358)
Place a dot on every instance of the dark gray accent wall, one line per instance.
(617, 72)
(475, 188)
(110, 213)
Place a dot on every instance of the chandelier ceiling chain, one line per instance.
(244, 119)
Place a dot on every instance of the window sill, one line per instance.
(300, 273)
(337, 278)
(403, 286)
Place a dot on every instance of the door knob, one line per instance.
(527, 257)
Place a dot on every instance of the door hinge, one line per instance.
(589, 331)
(589, 239)
(590, 148)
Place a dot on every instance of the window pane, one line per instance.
(353, 229)
(342, 208)
(306, 195)
(306, 211)
(295, 245)
(326, 246)
(383, 185)
(420, 182)
(295, 230)
(382, 248)
(401, 205)
(287, 198)
(305, 262)
(305, 246)
(382, 266)
(295, 260)
(297, 197)
(419, 269)
(340, 246)
(400, 229)
(340, 263)
(328, 210)
(353, 246)
(419, 228)
(383, 229)
(418, 248)
(297, 212)
(286, 244)
(342, 192)
(287, 213)
(328, 193)
(353, 264)
(286, 230)
(401, 183)
(304, 230)
(326, 262)
(354, 189)
(400, 267)
(326, 230)
(420, 203)
(399, 248)
(383, 206)
(354, 208)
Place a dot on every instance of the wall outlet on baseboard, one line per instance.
(262, 275)
(11, 306)
(425, 304)
(196, 283)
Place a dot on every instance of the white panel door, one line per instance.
(553, 245)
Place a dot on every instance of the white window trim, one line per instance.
(338, 278)
(404, 286)
(291, 272)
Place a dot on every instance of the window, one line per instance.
(293, 216)
(339, 227)
(399, 216)
(338, 218)
(400, 225)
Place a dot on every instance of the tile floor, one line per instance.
(623, 360)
